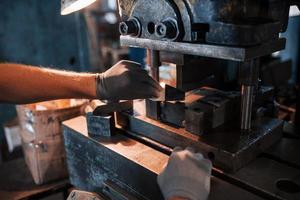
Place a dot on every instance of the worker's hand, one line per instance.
(126, 81)
(187, 176)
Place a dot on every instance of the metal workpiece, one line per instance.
(170, 93)
(207, 50)
(208, 108)
(153, 109)
(100, 108)
(246, 106)
(103, 126)
(173, 112)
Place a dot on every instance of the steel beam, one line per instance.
(207, 50)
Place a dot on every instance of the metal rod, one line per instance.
(247, 102)
(206, 50)
(154, 62)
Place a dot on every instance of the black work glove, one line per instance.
(126, 80)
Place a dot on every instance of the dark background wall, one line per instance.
(33, 32)
(292, 50)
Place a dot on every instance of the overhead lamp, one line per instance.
(70, 6)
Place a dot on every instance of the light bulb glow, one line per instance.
(70, 6)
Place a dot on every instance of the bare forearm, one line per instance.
(26, 84)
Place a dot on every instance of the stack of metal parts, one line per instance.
(119, 150)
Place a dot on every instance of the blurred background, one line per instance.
(34, 33)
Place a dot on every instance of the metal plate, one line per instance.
(264, 173)
(286, 150)
(206, 50)
(230, 149)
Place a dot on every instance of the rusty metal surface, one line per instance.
(240, 23)
(231, 149)
(265, 173)
(221, 190)
(102, 159)
(206, 50)
(128, 163)
(286, 151)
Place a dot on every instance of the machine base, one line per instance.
(123, 168)
(229, 148)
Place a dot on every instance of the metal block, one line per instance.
(100, 125)
(194, 121)
(217, 108)
(173, 112)
(230, 147)
(153, 109)
(101, 108)
(131, 165)
(188, 72)
(170, 93)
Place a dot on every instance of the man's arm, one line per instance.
(27, 84)
(125, 80)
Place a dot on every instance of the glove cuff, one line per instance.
(179, 189)
(100, 86)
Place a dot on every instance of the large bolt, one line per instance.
(130, 27)
(166, 29)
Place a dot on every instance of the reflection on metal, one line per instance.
(247, 102)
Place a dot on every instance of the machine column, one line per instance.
(154, 63)
(248, 74)
(153, 107)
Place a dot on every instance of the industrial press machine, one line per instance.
(119, 148)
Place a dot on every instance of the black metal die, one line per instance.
(100, 125)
